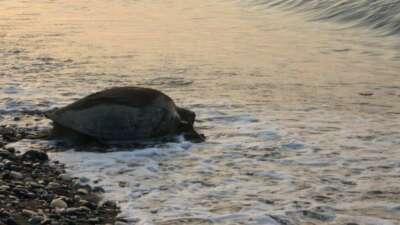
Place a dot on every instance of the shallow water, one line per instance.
(302, 118)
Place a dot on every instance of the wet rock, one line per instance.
(53, 185)
(46, 222)
(82, 191)
(58, 203)
(11, 221)
(322, 216)
(84, 179)
(35, 185)
(35, 220)
(11, 150)
(77, 210)
(120, 223)
(4, 187)
(29, 213)
(90, 205)
(94, 220)
(122, 184)
(110, 204)
(65, 177)
(35, 156)
(6, 154)
(366, 93)
(16, 175)
(98, 189)
(83, 202)
(22, 192)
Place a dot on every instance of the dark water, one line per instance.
(302, 116)
(380, 15)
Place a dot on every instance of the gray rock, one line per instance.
(84, 179)
(6, 154)
(58, 203)
(35, 185)
(34, 155)
(65, 177)
(4, 187)
(120, 223)
(122, 184)
(107, 203)
(77, 210)
(94, 220)
(98, 189)
(29, 213)
(82, 191)
(35, 220)
(53, 185)
(16, 175)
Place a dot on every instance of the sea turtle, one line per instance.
(122, 115)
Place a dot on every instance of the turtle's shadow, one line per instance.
(92, 145)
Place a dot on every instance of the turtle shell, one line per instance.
(121, 114)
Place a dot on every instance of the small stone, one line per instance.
(58, 203)
(4, 187)
(34, 220)
(29, 213)
(11, 149)
(35, 185)
(84, 179)
(154, 211)
(94, 220)
(82, 191)
(34, 155)
(366, 93)
(107, 204)
(53, 185)
(98, 189)
(6, 154)
(122, 184)
(65, 177)
(120, 223)
(16, 175)
(83, 202)
(46, 222)
(11, 221)
(77, 197)
(77, 210)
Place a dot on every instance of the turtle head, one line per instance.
(186, 115)
(190, 133)
(186, 127)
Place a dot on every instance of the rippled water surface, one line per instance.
(302, 117)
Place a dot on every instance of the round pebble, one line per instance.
(58, 203)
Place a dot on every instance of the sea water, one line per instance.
(299, 101)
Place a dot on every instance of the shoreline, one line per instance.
(35, 190)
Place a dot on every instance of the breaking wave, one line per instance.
(380, 15)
